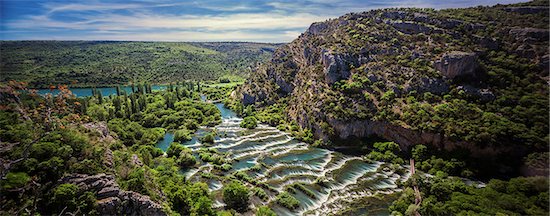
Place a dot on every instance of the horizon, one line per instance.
(185, 21)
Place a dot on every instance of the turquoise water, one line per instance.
(165, 142)
(105, 91)
(286, 161)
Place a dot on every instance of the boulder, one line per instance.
(111, 199)
(456, 64)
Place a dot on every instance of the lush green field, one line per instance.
(93, 63)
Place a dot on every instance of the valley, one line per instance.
(390, 111)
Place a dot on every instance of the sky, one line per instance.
(171, 20)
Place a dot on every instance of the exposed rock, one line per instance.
(484, 95)
(489, 43)
(108, 161)
(136, 161)
(432, 85)
(335, 67)
(457, 63)
(394, 15)
(411, 27)
(526, 34)
(111, 199)
(407, 138)
(248, 99)
(527, 9)
(317, 28)
(101, 128)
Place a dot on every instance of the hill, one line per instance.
(89, 63)
(469, 83)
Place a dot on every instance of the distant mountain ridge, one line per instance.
(92, 63)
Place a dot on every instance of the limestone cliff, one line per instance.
(377, 72)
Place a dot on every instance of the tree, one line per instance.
(419, 152)
(236, 196)
(265, 211)
(249, 122)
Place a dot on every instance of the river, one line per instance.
(287, 161)
(105, 91)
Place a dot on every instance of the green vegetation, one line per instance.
(236, 196)
(93, 63)
(249, 122)
(451, 196)
(49, 137)
(287, 200)
(265, 211)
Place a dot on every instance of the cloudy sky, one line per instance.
(171, 20)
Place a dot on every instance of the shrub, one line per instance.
(288, 201)
(182, 135)
(235, 196)
(265, 211)
(249, 122)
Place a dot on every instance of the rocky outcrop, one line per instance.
(101, 128)
(432, 85)
(411, 27)
(485, 95)
(336, 66)
(111, 199)
(456, 63)
(406, 137)
(527, 9)
(529, 34)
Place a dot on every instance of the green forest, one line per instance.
(109, 63)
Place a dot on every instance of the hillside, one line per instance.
(470, 82)
(87, 63)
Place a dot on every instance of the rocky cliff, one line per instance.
(413, 76)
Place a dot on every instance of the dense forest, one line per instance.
(108, 63)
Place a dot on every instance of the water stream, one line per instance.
(286, 161)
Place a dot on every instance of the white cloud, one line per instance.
(240, 21)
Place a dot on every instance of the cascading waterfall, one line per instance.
(332, 178)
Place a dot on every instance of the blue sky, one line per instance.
(170, 20)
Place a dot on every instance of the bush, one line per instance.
(235, 196)
(208, 138)
(249, 122)
(265, 211)
(182, 135)
(288, 201)
(15, 180)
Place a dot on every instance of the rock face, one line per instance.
(335, 67)
(411, 27)
(456, 64)
(526, 34)
(406, 138)
(111, 199)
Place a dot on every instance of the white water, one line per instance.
(345, 178)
